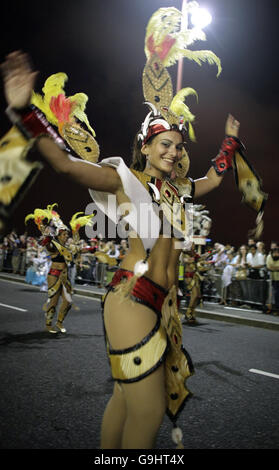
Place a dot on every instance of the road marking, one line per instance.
(15, 308)
(88, 297)
(262, 372)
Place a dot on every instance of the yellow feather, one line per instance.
(39, 214)
(53, 86)
(166, 22)
(203, 56)
(28, 217)
(51, 206)
(191, 133)
(80, 100)
(80, 221)
(181, 109)
(161, 24)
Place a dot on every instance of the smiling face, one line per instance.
(63, 236)
(162, 153)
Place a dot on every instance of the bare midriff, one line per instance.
(162, 260)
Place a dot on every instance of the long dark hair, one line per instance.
(138, 158)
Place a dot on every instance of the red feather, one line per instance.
(61, 107)
(162, 49)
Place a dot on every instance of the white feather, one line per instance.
(140, 267)
(155, 190)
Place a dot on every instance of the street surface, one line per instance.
(54, 388)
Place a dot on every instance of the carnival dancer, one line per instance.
(55, 235)
(142, 325)
(195, 266)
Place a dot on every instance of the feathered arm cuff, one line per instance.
(32, 123)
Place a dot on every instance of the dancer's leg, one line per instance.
(51, 304)
(194, 300)
(64, 309)
(114, 420)
(138, 413)
(146, 406)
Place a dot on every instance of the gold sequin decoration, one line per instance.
(134, 364)
(178, 366)
(156, 82)
(82, 142)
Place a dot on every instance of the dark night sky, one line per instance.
(100, 45)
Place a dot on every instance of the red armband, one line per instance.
(223, 161)
(32, 123)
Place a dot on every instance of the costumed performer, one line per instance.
(195, 266)
(142, 326)
(36, 274)
(55, 235)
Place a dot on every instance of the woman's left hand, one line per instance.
(232, 126)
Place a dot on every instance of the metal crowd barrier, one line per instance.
(96, 273)
(255, 292)
(251, 292)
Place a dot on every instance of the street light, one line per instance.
(200, 18)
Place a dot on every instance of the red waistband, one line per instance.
(145, 291)
(55, 272)
(190, 274)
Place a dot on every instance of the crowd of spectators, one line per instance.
(247, 276)
(241, 277)
(20, 255)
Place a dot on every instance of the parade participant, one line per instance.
(272, 264)
(226, 278)
(194, 267)
(37, 273)
(55, 235)
(142, 326)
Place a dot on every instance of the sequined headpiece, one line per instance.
(165, 43)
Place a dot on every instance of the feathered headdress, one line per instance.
(66, 113)
(39, 215)
(77, 222)
(47, 218)
(165, 43)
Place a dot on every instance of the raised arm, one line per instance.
(222, 162)
(85, 173)
(19, 80)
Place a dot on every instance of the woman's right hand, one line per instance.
(19, 79)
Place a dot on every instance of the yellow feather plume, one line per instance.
(181, 109)
(38, 215)
(203, 56)
(80, 100)
(53, 87)
(51, 206)
(77, 222)
(165, 38)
